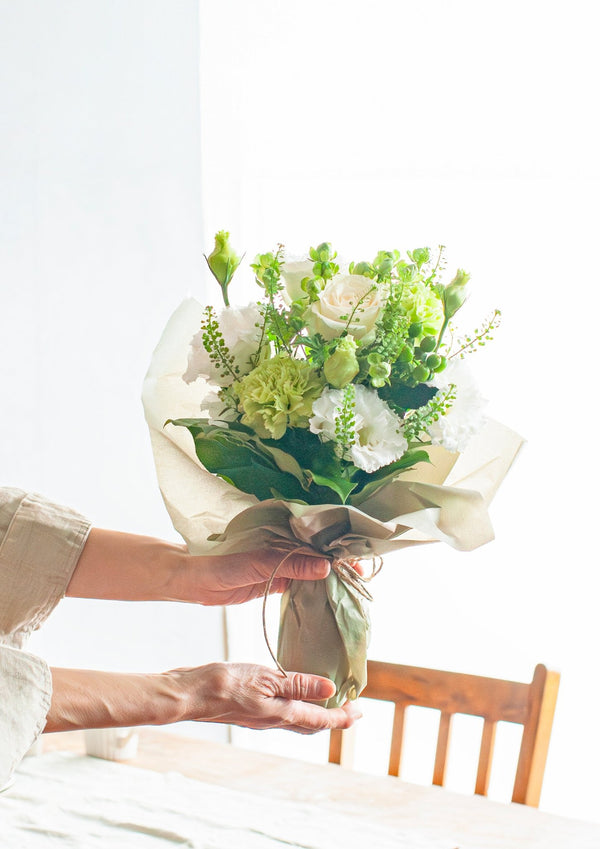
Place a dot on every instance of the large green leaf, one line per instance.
(233, 456)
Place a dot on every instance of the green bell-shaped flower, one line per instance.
(455, 293)
(223, 262)
(342, 366)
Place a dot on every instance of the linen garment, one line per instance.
(40, 544)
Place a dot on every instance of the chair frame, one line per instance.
(496, 700)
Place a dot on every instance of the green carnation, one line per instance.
(422, 306)
(277, 394)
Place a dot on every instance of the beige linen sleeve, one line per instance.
(40, 544)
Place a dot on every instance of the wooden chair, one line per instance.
(530, 705)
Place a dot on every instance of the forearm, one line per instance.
(234, 693)
(127, 567)
(84, 698)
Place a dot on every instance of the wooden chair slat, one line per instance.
(486, 752)
(397, 740)
(441, 752)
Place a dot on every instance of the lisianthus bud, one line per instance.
(342, 366)
(455, 293)
(223, 262)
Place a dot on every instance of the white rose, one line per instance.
(293, 273)
(240, 334)
(379, 439)
(329, 315)
(465, 417)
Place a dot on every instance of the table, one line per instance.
(323, 805)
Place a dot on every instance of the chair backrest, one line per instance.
(530, 705)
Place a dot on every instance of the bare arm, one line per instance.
(234, 693)
(128, 567)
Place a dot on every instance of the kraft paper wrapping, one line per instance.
(324, 624)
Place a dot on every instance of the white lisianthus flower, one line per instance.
(293, 272)
(240, 334)
(379, 439)
(465, 417)
(329, 315)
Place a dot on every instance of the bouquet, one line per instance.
(334, 414)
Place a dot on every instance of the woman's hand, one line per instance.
(258, 697)
(235, 578)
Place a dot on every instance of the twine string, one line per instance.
(342, 567)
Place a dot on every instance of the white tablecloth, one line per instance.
(65, 800)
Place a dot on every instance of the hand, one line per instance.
(258, 697)
(235, 578)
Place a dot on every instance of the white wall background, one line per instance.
(397, 124)
(392, 124)
(100, 238)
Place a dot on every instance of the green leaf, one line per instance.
(342, 486)
(284, 461)
(234, 457)
(370, 483)
(408, 397)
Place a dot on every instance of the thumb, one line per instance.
(303, 567)
(300, 686)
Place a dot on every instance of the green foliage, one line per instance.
(369, 484)
(485, 333)
(239, 459)
(215, 346)
(417, 422)
(404, 398)
(345, 433)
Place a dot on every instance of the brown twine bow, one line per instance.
(343, 568)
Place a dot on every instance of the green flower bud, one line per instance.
(312, 286)
(454, 294)
(379, 374)
(384, 262)
(342, 366)
(223, 262)
(420, 256)
(365, 269)
(428, 344)
(420, 373)
(322, 253)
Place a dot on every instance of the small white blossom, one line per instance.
(240, 334)
(379, 439)
(293, 272)
(465, 417)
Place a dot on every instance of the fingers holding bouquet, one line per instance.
(257, 697)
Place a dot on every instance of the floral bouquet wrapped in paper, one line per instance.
(334, 414)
